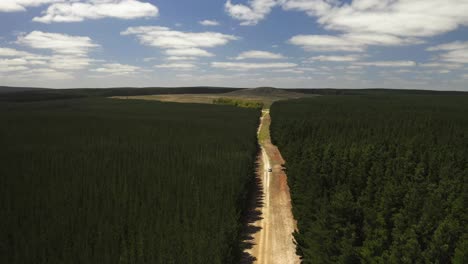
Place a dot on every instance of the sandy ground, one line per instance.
(269, 238)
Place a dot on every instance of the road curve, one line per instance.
(273, 242)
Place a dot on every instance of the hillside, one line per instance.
(11, 89)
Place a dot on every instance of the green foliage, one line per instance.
(377, 179)
(111, 181)
(238, 103)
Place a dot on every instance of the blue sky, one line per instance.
(409, 44)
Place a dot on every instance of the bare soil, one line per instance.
(268, 236)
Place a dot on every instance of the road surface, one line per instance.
(270, 239)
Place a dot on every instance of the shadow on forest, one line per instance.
(252, 214)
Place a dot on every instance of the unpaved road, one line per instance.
(271, 241)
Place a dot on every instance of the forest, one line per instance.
(123, 181)
(377, 179)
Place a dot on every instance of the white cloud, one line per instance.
(311, 7)
(96, 9)
(387, 63)
(209, 22)
(457, 45)
(441, 65)
(164, 37)
(21, 5)
(289, 71)
(30, 58)
(363, 22)
(324, 43)
(307, 69)
(402, 18)
(184, 75)
(8, 52)
(56, 61)
(23, 73)
(354, 67)
(213, 77)
(250, 14)
(58, 43)
(347, 58)
(405, 18)
(65, 62)
(192, 52)
(180, 58)
(148, 59)
(46, 73)
(454, 52)
(117, 69)
(176, 66)
(13, 62)
(258, 54)
(9, 68)
(178, 43)
(251, 66)
(458, 56)
(347, 42)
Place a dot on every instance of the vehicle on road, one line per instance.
(270, 169)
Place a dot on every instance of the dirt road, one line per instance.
(270, 237)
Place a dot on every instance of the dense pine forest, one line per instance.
(122, 181)
(377, 179)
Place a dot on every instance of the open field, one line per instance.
(111, 181)
(264, 94)
(377, 179)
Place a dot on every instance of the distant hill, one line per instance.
(10, 89)
(374, 91)
(20, 94)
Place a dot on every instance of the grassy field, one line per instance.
(377, 179)
(112, 181)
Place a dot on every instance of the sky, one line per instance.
(405, 44)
